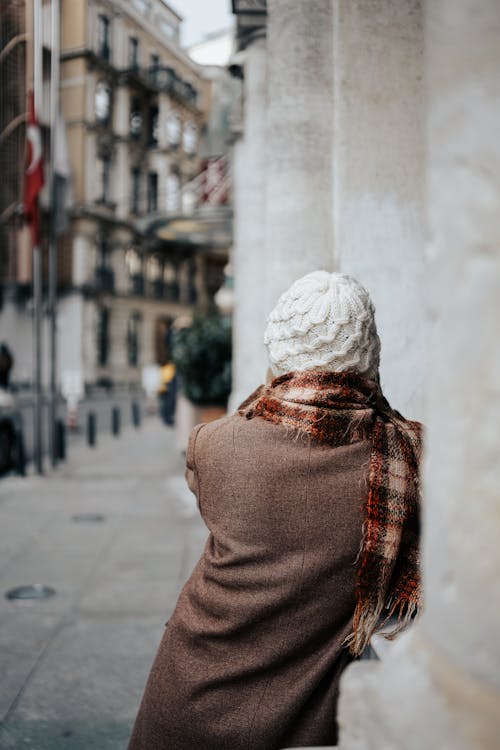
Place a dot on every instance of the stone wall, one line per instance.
(440, 685)
(329, 173)
(378, 178)
(431, 259)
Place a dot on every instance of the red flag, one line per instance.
(33, 179)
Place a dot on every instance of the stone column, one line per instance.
(299, 136)
(440, 686)
(378, 170)
(249, 171)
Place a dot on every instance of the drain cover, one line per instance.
(89, 518)
(33, 591)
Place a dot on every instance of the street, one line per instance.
(74, 665)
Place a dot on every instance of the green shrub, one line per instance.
(202, 356)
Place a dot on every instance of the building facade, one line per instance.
(135, 255)
(135, 106)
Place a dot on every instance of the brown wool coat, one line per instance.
(252, 655)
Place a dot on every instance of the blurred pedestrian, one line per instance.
(168, 393)
(311, 495)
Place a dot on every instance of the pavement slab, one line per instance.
(73, 667)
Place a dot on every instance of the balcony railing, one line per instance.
(163, 78)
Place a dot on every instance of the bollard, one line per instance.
(20, 453)
(60, 440)
(136, 414)
(115, 420)
(91, 428)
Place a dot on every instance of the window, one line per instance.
(154, 273)
(173, 192)
(133, 260)
(133, 53)
(153, 269)
(154, 69)
(152, 192)
(102, 336)
(103, 36)
(104, 275)
(135, 179)
(171, 281)
(133, 327)
(103, 179)
(190, 92)
(103, 253)
(190, 138)
(135, 118)
(102, 102)
(154, 126)
(174, 129)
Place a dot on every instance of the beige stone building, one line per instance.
(135, 106)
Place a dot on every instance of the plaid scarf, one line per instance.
(339, 409)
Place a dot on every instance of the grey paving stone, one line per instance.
(15, 669)
(111, 734)
(81, 659)
(95, 668)
(24, 629)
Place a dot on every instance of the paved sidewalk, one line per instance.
(73, 667)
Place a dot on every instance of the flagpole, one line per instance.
(54, 111)
(37, 258)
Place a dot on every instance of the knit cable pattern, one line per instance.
(324, 321)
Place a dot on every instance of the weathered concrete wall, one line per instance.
(249, 262)
(299, 142)
(440, 687)
(378, 175)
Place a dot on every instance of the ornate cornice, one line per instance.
(249, 6)
(251, 20)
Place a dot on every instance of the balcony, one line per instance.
(161, 78)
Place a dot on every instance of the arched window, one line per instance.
(171, 281)
(173, 192)
(153, 268)
(102, 102)
(133, 339)
(133, 261)
(190, 138)
(173, 125)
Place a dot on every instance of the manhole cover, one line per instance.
(33, 591)
(89, 518)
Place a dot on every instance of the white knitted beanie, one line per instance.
(324, 321)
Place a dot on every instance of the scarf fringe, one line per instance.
(368, 621)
